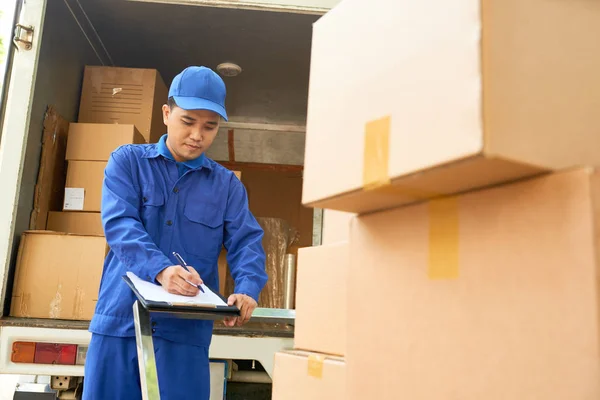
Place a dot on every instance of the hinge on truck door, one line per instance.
(23, 36)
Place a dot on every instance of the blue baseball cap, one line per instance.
(199, 88)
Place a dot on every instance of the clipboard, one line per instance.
(197, 311)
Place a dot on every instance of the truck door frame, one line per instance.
(20, 83)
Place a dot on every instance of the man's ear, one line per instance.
(166, 112)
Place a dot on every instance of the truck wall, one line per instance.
(63, 54)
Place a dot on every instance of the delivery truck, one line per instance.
(262, 50)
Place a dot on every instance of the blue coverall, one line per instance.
(151, 207)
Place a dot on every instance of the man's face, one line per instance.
(189, 133)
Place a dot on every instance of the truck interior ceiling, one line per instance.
(266, 102)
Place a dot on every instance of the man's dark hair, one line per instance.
(171, 103)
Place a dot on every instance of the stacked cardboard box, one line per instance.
(316, 368)
(474, 260)
(89, 147)
(57, 275)
(114, 95)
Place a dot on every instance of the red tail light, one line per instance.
(52, 353)
(46, 353)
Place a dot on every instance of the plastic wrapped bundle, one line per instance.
(279, 236)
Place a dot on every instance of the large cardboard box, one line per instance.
(321, 286)
(83, 188)
(80, 223)
(491, 295)
(336, 226)
(57, 275)
(299, 375)
(116, 95)
(95, 142)
(437, 102)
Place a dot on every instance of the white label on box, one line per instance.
(74, 198)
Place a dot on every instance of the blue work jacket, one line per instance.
(153, 206)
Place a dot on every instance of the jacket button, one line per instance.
(145, 199)
(169, 222)
(176, 190)
(153, 330)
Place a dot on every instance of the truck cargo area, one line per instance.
(266, 102)
(263, 139)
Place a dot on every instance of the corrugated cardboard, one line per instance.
(492, 295)
(80, 223)
(117, 95)
(88, 175)
(57, 275)
(321, 286)
(299, 375)
(52, 172)
(95, 142)
(336, 226)
(475, 94)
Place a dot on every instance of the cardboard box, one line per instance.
(50, 184)
(299, 375)
(57, 275)
(321, 286)
(115, 95)
(95, 142)
(492, 295)
(336, 226)
(83, 188)
(470, 95)
(80, 223)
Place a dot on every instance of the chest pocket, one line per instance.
(203, 235)
(152, 207)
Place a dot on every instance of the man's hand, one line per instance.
(246, 304)
(174, 278)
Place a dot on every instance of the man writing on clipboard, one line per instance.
(157, 200)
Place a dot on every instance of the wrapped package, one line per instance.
(279, 236)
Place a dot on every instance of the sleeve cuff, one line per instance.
(249, 289)
(153, 271)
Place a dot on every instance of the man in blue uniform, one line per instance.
(163, 198)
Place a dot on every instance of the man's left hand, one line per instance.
(246, 304)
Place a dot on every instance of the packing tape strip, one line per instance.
(315, 366)
(376, 163)
(376, 153)
(443, 239)
(405, 191)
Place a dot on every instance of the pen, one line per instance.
(184, 265)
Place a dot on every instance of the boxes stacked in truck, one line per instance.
(58, 270)
(465, 139)
(118, 106)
